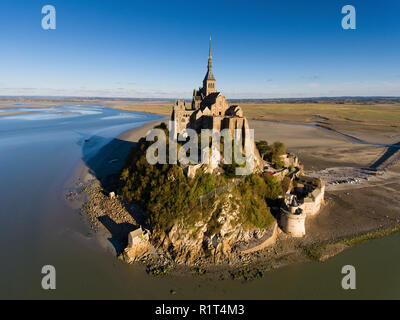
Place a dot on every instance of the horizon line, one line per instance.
(179, 98)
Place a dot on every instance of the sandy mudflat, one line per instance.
(135, 134)
(6, 104)
(118, 148)
(11, 105)
(3, 114)
(350, 208)
(318, 148)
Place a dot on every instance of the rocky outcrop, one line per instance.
(215, 238)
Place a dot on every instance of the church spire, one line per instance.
(209, 80)
(209, 57)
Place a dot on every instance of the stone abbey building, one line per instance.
(209, 108)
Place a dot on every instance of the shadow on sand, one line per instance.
(390, 157)
(105, 159)
(119, 233)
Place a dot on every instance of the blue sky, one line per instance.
(261, 49)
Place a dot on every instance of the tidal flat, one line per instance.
(42, 155)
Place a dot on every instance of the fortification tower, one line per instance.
(209, 80)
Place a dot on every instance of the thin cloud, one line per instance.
(313, 84)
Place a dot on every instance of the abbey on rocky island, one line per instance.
(209, 108)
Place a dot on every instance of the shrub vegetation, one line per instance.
(272, 153)
(170, 197)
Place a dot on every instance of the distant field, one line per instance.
(365, 117)
(363, 114)
(308, 112)
(163, 109)
(360, 117)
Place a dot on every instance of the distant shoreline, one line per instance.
(5, 114)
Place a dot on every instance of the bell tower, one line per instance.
(209, 80)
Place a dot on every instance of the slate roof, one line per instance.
(210, 99)
(209, 76)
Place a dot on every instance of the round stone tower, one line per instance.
(293, 223)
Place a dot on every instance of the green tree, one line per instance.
(263, 148)
(273, 187)
(279, 148)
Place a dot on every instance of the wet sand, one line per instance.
(117, 149)
(317, 148)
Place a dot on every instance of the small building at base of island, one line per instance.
(138, 245)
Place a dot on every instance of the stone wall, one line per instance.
(293, 224)
(182, 118)
(281, 174)
(138, 245)
(269, 240)
(290, 159)
(314, 200)
(312, 204)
